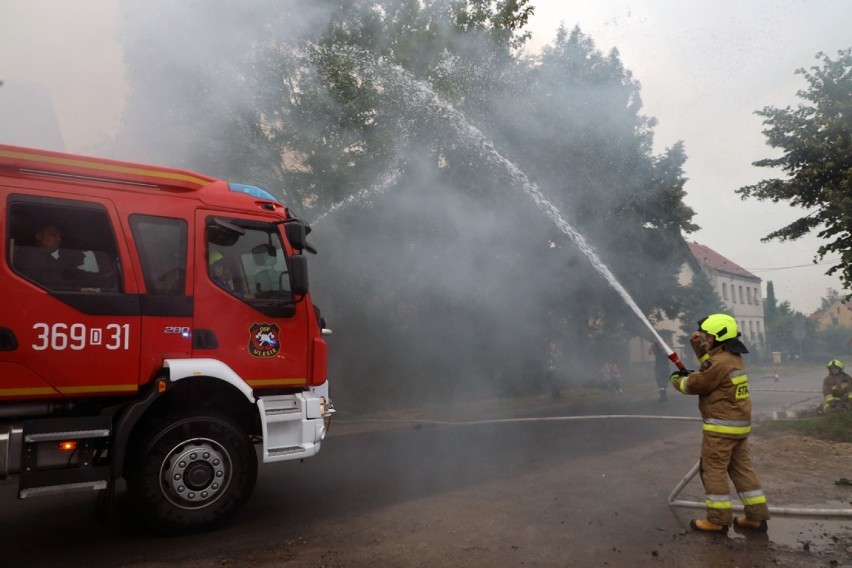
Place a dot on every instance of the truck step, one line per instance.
(285, 451)
(62, 489)
(54, 482)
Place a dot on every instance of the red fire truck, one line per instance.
(155, 326)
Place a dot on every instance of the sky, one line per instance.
(704, 68)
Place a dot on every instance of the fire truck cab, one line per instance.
(155, 325)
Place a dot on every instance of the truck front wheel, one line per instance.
(192, 472)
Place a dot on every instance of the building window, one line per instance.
(750, 329)
(748, 295)
(733, 294)
(724, 291)
(741, 295)
(757, 297)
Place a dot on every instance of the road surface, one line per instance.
(534, 493)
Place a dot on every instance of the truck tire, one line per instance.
(191, 472)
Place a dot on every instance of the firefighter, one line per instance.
(835, 388)
(723, 399)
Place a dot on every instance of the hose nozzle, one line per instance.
(676, 360)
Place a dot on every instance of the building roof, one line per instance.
(708, 257)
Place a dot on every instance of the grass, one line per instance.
(835, 427)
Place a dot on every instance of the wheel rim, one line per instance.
(195, 473)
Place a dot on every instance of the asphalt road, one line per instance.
(601, 482)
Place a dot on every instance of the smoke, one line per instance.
(440, 276)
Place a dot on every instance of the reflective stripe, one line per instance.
(831, 398)
(703, 357)
(681, 386)
(718, 502)
(740, 381)
(737, 427)
(755, 497)
(735, 423)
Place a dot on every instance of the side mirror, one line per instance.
(296, 235)
(298, 275)
(297, 232)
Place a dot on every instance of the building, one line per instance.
(838, 315)
(739, 290)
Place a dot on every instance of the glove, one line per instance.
(678, 374)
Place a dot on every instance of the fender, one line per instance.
(185, 368)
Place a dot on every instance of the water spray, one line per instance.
(421, 95)
(424, 96)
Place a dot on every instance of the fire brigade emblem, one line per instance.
(263, 340)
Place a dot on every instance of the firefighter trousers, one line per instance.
(723, 457)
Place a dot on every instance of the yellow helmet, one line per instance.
(214, 256)
(835, 363)
(720, 326)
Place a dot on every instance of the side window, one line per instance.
(63, 245)
(249, 262)
(161, 244)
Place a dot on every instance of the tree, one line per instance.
(816, 140)
(779, 323)
(770, 305)
(831, 297)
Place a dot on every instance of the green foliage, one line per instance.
(816, 141)
(831, 297)
(770, 305)
(828, 344)
(779, 324)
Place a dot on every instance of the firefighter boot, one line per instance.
(703, 525)
(750, 524)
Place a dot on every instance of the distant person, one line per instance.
(218, 273)
(721, 384)
(42, 263)
(611, 376)
(661, 371)
(553, 365)
(835, 388)
(217, 270)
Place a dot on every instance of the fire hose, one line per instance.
(673, 501)
(792, 511)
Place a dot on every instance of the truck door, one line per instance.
(69, 317)
(162, 245)
(244, 309)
